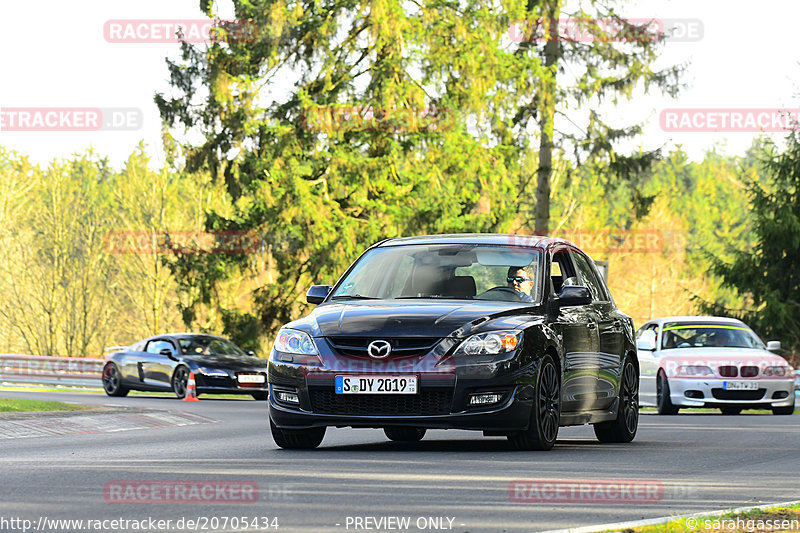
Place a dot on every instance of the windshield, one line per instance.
(454, 271)
(202, 345)
(693, 335)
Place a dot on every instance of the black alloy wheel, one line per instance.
(546, 413)
(112, 381)
(623, 429)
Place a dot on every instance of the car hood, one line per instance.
(397, 318)
(229, 362)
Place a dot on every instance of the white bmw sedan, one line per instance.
(704, 361)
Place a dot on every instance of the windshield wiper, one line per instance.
(353, 297)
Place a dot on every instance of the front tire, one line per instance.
(180, 379)
(546, 413)
(664, 402)
(404, 434)
(623, 429)
(297, 439)
(261, 396)
(112, 381)
(788, 410)
(730, 411)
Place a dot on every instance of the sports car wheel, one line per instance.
(543, 428)
(402, 434)
(259, 396)
(664, 403)
(788, 410)
(179, 380)
(297, 439)
(112, 381)
(730, 411)
(623, 429)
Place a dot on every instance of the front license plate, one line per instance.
(251, 378)
(376, 384)
(740, 385)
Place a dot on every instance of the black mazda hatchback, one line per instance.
(511, 335)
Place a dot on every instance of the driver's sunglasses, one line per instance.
(518, 279)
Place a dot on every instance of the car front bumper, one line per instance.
(711, 393)
(442, 400)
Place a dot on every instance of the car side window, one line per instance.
(561, 271)
(156, 346)
(588, 277)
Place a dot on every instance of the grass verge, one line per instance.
(17, 405)
(774, 519)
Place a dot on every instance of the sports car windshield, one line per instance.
(453, 271)
(202, 345)
(688, 335)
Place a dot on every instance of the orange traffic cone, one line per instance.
(191, 389)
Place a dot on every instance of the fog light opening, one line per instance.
(287, 397)
(484, 398)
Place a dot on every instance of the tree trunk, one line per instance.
(547, 106)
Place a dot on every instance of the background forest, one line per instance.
(390, 121)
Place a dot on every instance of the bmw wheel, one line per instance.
(546, 413)
(663, 400)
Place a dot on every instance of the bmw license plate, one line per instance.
(740, 385)
(376, 384)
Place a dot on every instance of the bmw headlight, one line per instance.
(293, 341)
(492, 343)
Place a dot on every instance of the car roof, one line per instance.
(183, 335)
(688, 318)
(527, 241)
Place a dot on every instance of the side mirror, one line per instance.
(251, 353)
(574, 295)
(774, 346)
(317, 293)
(647, 341)
(166, 352)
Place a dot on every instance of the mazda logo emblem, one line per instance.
(379, 349)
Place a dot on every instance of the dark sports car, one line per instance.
(163, 363)
(511, 335)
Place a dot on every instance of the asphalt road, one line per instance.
(357, 480)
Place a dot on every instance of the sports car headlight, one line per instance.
(491, 343)
(293, 341)
(694, 370)
(208, 371)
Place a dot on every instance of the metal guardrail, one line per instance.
(48, 370)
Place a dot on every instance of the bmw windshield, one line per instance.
(454, 271)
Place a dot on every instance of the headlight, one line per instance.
(694, 370)
(208, 371)
(777, 371)
(293, 341)
(491, 343)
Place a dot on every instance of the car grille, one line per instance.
(728, 371)
(401, 346)
(426, 402)
(748, 371)
(744, 395)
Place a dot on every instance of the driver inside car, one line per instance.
(519, 280)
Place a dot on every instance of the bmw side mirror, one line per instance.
(574, 295)
(647, 341)
(166, 352)
(774, 346)
(317, 293)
